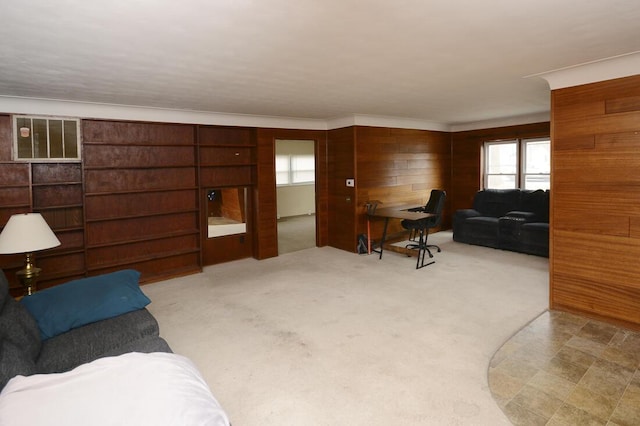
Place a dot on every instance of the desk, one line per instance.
(401, 212)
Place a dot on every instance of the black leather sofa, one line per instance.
(508, 219)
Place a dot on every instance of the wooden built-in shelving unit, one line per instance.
(55, 191)
(141, 198)
(227, 159)
(57, 194)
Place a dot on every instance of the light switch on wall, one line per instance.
(351, 182)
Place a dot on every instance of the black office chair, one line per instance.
(421, 227)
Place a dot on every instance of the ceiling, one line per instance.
(449, 62)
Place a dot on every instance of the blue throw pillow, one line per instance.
(80, 302)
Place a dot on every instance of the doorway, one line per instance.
(295, 194)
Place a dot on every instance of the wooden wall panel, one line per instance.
(266, 198)
(52, 173)
(342, 201)
(13, 196)
(159, 268)
(214, 177)
(225, 136)
(15, 174)
(60, 195)
(228, 248)
(132, 229)
(266, 238)
(113, 206)
(399, 167)
(137, 133)
(217, 156)
(627, 104)
(59, 265)
(136, 156)
(103, 256)
(595, 194)
(139, 179)
(64, 218)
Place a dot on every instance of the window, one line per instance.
(501, 165)
(518, 163)
(295, 169)
(44, 138)
(537, 164)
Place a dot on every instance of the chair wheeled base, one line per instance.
(420, 228)
(423, 248)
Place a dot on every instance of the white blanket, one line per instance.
(132, 389)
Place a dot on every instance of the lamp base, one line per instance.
(28, 276)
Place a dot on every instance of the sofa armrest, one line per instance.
(463, 214)
(96, 340)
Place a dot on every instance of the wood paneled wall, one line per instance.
(399, 167)
(595, 198)
(393, 166)
(341, 159)
(466, 157)
(266, 197)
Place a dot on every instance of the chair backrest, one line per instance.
(435, 205)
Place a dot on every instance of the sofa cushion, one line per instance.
(535, 233)
(484, 221)
(497, 202)
(535, 238)
(536, 202)
(112, 336)
(84, 301)
(482, 230)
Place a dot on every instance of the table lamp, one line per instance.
(27, 233)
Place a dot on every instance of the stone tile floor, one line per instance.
(564, 369)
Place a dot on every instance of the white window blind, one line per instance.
(295, 169)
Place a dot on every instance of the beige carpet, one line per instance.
(326, 337)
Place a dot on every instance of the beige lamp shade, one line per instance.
(26, 233)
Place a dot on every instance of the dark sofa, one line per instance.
(23, 351)
(508, 219)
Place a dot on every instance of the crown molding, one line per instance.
(91, 110)
(619, 66)
(99, 111)
(503, 122)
